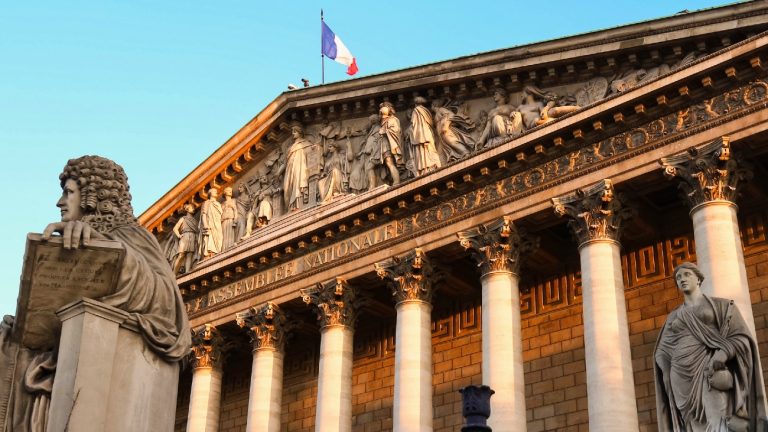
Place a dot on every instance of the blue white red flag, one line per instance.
(334, 49)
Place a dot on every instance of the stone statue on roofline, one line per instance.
(421, 137)
(296, 177)
(454, 129)
(211, 235)
(95, 205)
(185, 233)
(390, 154)
(705, 364)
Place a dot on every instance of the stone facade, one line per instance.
(597, 128)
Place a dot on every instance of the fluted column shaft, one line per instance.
(205, 396)
(410, 278)
(497, 249)
(268, 328)
(596, 216)
(334, 380)
(413, 367)
(266, 392)
(335, 303)
(503, 350)
(610, 381)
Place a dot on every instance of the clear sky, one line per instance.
(157, 86)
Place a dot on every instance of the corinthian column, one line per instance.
(711, 177)
(335, 304)
(268, 328)
(497, 248)
(596, 215)
(205, 397)
(410, 278)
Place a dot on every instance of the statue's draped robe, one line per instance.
(368, 159)
(688, 344)
(146, 289)
(422, 137)
(296, 177)
(454, 141)
(210, 218)
(228, 223)
(336, 175)
(390, 144)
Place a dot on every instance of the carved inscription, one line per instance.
(54, 277)
(311, 260)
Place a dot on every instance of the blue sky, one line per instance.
(157, 86)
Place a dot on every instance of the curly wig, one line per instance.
(104, 192)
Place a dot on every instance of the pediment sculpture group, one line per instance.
(314, 169)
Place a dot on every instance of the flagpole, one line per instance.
(322, 56)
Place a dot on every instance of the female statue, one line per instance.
(705, 362)
(228, 220)
(96, 204)
(296, 179)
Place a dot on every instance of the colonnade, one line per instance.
(710, 180)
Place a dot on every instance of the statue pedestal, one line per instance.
(107, 379)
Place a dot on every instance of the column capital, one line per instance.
(334, 301)
(208, 347)
(595, 213)
(410, 276)
(497, 246)
(268, 326)
(708, 173)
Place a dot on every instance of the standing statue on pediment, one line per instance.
(390, 154)
(243, 203)
(185, 232)
(211, 236)
(421, 136)
(364, 174)
(453, 132)
(260, 212)
(228, 220)
(296, 176)
(502, 121)
(335, 177)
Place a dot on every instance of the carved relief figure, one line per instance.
(554, 107)
(502, 121)
(390, 154)
(96, 204)
(211, 237)
(296, 179)
(186, 232)
(335, 177)
(421, 135)
(363, 174)
(636, 77)
(453, 132)
(228, 219)
(705, 364)
(260, 212)
(243, 203)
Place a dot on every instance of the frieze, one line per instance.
(728, 105)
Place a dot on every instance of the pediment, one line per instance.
(608, 82)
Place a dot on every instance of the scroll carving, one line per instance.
(595, 213)
(410, 277)
(335, 302)
(268, 326)
(709, 173)
(497, 246)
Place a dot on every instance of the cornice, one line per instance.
(222, 167)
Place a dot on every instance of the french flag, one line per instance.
(334, 49)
